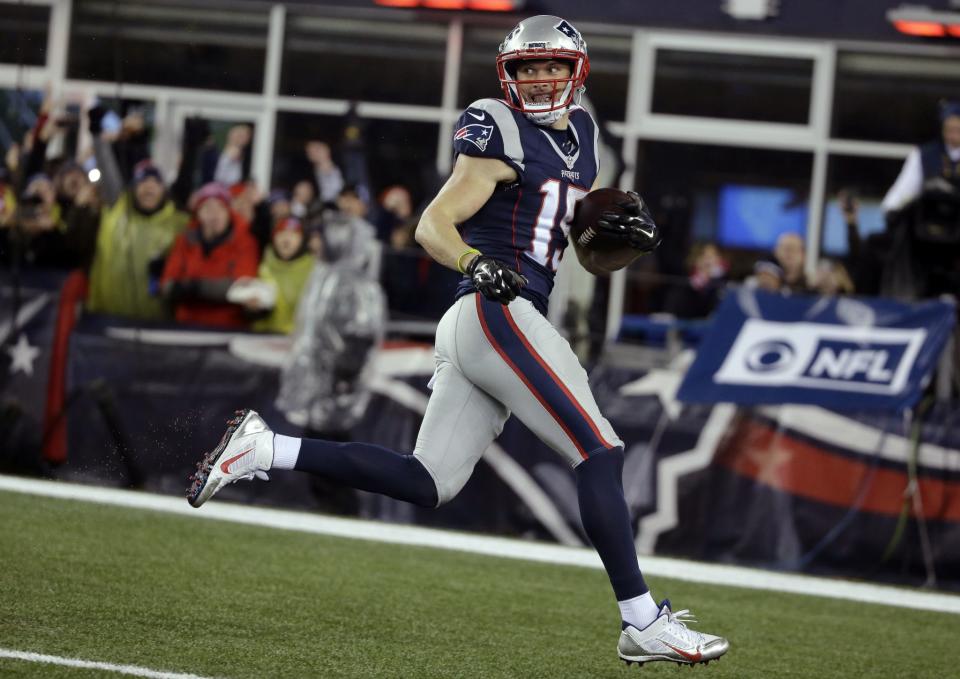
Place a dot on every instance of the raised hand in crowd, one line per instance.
(11, 160)
(849, 206)
(95, 115)
(134, 123)
(318, 153)
(327, 175)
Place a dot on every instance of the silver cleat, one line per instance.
(668, 638)
(245, 451)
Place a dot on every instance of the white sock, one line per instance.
(286, 450)
(639, 611)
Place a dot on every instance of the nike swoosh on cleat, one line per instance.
(225, 466)
(482, 116)
(692, 657)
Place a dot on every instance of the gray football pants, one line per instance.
(493, 360)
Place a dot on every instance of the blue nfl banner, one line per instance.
(841, 353)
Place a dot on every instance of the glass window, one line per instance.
(478, 65)
(609, 76)
(733, 86)
(23, 34)
(865, 181)
(337, 58)
(892, 98)
(18, 114)
(740, 199)
(173, 44)
(386, 151)
(606, 84)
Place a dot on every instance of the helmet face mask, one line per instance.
(543, 38)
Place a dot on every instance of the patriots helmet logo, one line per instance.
(569, 31)
(478, 135)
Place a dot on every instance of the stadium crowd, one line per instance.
(210, 248)
(207, 248)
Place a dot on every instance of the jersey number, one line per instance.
(549, 232)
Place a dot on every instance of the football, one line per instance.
(609, 253)
(589, 211)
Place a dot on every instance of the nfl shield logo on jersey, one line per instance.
(479, 135)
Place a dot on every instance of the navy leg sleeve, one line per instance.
(365, 466)
(606, 519)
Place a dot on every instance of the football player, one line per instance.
(502, 220)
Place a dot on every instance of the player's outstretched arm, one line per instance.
(470, 186)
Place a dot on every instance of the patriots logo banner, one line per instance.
(28, 330)
(839, 353)
(478, 135)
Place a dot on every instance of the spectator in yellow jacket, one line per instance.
(286, 265)
(137, 230)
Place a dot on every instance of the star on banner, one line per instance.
(22, 356)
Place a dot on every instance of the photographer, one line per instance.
(935, 163)
(919, 251)
(33, 232)
(35, 226)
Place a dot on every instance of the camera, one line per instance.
(938, 217)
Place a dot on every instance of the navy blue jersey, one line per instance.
(525, 224)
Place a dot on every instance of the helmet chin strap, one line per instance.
(550, 117)
(545, 117)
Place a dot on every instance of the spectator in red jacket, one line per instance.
(207, 259)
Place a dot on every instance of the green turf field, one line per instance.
(225, 600)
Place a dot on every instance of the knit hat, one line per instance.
(38, 177)
(949, 109)
(288, 224)
(278, 195)
(145, 169)
(213, 190)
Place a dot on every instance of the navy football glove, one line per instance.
(493, 280)
(635, 226)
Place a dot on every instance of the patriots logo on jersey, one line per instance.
(478, 135)
(569, 31)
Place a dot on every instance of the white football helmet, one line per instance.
(544, 37)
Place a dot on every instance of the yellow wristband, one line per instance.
(471, 251)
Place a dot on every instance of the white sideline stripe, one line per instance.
(691, 571)
(132, 670)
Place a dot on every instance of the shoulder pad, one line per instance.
(488, 128)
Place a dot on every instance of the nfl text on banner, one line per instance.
(840, 353)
